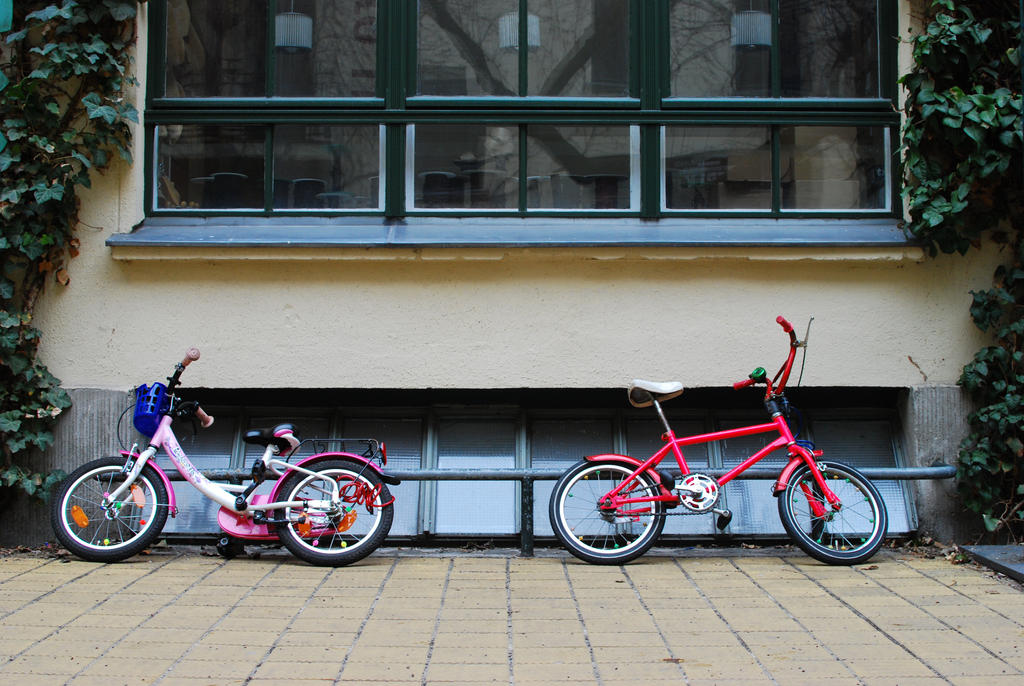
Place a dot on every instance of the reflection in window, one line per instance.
(834, 168)
(459, 48)
(575, 48)
(323, 48)
(335, 56)
(215, 48)
(582, 48)
(720, 49)
(829, 49)
(725, 49)
(718, 168)
(209, 166)
(582, 167)
(464, 166)
(327, 167)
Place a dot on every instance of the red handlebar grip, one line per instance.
(205, 420)
(191, 355)
(786, 326)
(743, 384)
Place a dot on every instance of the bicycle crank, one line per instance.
(697, 492)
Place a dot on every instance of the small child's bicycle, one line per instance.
(331, 508)
(609, 509)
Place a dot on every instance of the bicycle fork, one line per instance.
(815, 501)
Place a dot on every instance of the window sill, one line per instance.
(234, 237)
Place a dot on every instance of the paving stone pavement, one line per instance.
(178, 618)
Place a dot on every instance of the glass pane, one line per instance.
(578, 48)
(326, 48)
(461, 49)
(476, 506)
(829, 49)
(755, 510)
(327, 167)
(404, 441)
(863, 444)
(720, 49)
(643, 439)
(559, 444)
(209, 167)
(580, 167)
(216, 48)
(718, 168)
(465, 166)
(834, 168)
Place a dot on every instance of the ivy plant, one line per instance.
(64, 71)
(964, 181)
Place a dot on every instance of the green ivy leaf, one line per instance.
(47, 193)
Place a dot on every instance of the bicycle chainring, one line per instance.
(697, 492)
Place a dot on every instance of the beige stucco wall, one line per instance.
(496, 318)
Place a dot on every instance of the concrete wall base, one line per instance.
(934, 422)
(86, 431)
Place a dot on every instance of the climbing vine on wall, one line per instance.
(964, 180)
(64, 71)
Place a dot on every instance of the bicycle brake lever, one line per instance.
(807, 334)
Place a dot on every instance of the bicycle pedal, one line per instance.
(724, 517)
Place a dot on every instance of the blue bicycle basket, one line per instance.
(151, 403)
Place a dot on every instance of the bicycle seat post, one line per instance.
(661, 415)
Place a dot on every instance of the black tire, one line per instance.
(847, 536)
(596, 536)
(96, 534)
(330, 540)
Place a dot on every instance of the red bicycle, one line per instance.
(610, 509)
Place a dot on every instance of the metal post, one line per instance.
(526, 518)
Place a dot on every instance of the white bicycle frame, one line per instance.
(222, 495)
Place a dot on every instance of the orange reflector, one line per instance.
(347, 521)
(304, 528)
(138, 497)
(79, 516)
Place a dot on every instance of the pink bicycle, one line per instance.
(330, 508)
(609, 509)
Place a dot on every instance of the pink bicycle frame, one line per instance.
(165, 438)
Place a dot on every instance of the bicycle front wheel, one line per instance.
(597, 535)
(845, 536)
(116, 531)
(340, 536)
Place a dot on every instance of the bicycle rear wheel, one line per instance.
(115, 532)
(847, 536)
(599, 536)
(344, 536)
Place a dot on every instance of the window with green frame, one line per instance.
(645, 108)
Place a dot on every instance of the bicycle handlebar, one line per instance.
(191, 355)
(782, 376)
(205, 420)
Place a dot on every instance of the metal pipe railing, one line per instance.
(528, 476)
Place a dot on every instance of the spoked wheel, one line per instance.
(602, 536)
(847, 536)
(342, 536)
(115, 532)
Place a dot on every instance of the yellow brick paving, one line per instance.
(675, 617)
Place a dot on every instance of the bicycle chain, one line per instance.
(686, 511)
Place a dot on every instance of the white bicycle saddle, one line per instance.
(643, 393)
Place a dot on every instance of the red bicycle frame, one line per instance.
(798, 454)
